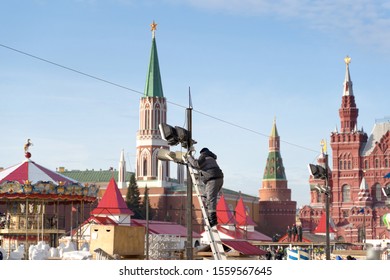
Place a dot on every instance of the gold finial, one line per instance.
(323, 146)
(347, 60)
(153, 26)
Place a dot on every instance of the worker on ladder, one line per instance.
(212, 177)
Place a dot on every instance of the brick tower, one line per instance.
(150, 171)
(346, 146)
(276, 209)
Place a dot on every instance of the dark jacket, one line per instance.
(207, 164)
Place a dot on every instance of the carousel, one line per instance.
(37, 204)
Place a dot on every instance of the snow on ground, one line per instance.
(42, 251)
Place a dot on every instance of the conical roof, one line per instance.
(112, 202)
(364, 194)
(242, 217)
(347, 81)
(153, 86)
(274, 131)
(225, 216)
(28, 170)
(274, 169)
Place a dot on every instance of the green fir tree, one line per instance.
(133, 199)
(146, 204)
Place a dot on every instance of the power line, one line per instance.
(70, 69)
(253, 131)
(139, 92)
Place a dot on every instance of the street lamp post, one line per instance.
(327, 202)
(189, 249)
(320, 172)
(174, 136)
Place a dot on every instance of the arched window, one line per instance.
(376, 163)
(318, 196)
(366, 166)
(156, 171)
(147, 119)
(386, 162)
(378, 192)
(346, 189)
(340, 164)
(157, 115)
(145, 167)
(349, 164)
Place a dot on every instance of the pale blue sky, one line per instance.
(245, 61)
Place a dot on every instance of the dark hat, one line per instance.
(204, 150)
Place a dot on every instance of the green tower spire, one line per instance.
(153, 87)
(274, 169)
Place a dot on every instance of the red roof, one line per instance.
(29, 170)
(225, 216)
(112, 202)
(321, 227)
(160, 227)
(244, 247)
(242, 217)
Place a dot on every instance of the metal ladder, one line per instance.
(212, 232)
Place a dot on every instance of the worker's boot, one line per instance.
(213, 219)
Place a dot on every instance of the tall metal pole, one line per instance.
(327, 202)
(147, 223)
(189, 250)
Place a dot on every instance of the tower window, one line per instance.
(147, 119)
(157, 118)
(156, 171)
(145, 167)
(376, 163)
(366, 165)
(318, 196)
(340, 164)
(346, 190)
(386, 162)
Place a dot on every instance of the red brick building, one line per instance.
(359, 164)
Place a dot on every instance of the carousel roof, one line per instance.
(29, 179)
(30, 171)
